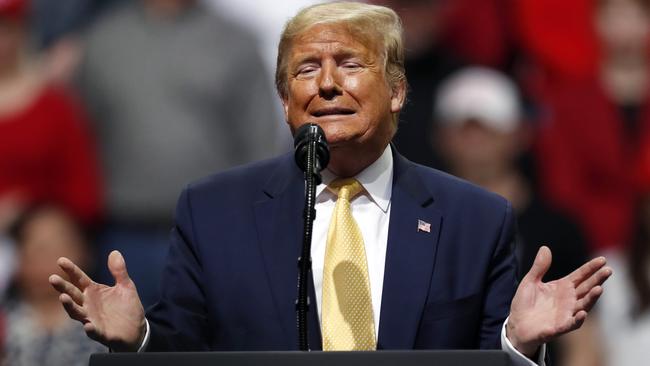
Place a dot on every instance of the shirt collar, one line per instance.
(376, 179)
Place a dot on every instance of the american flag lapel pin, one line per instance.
(424, 226)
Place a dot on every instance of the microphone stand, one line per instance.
(312, 178)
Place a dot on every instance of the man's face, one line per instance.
(50, 234)
(472, 146)
(339, 83)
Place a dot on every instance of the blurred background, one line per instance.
(109, 107)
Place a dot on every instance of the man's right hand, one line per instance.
(113, 316)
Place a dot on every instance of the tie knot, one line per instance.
(346, 188)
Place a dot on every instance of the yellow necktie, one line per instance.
(347, 315)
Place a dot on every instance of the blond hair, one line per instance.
(375, 25)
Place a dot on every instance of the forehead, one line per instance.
(332, 37)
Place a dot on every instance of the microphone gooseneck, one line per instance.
(312, 155)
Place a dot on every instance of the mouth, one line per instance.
(332, 111)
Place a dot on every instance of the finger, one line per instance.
(596, 279)
(586, 270)
(75, 311)
(587, 302)
(117, 266)
(77, 277)
(578, 320)
(66, 287)
(572, 323)
(541, 265)
(580, 316)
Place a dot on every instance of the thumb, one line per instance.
(117, 266)
(541, 265)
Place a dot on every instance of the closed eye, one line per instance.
(307, 69)
(349, 65)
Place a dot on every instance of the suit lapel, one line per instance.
(409, 258)
(278, 219)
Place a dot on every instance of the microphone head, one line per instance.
(306, 133)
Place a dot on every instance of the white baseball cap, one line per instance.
(480, 94)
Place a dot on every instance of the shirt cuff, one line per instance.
(145, 341)
(516, 357)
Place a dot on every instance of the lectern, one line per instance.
(376, 358)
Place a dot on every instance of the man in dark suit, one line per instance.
(432, 264)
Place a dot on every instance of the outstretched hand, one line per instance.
(113, 316)
(542, 311)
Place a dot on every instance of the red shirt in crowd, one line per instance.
(47, 155)
(588, 157)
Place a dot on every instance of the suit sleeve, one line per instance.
(178, 322)
(501, 283)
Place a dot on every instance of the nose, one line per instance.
(328, 83)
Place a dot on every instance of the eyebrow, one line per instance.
(339, 54)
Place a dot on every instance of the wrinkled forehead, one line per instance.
(343, 34)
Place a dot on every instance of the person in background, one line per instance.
(625, 310)
(37, 330)
(46, 149)
(481, 138)
(176, 93)
(590, 136)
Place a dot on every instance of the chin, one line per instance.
(337, 139)
(341, 131)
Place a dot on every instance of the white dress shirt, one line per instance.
(371, 210)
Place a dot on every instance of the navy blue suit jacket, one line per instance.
(230, 280)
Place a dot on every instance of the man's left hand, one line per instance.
(540, 311)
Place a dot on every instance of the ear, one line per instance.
(398, 97)
(285, 107)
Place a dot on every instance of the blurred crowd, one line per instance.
(107, 108)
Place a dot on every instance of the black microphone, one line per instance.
(312, 155)
(306, 133)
